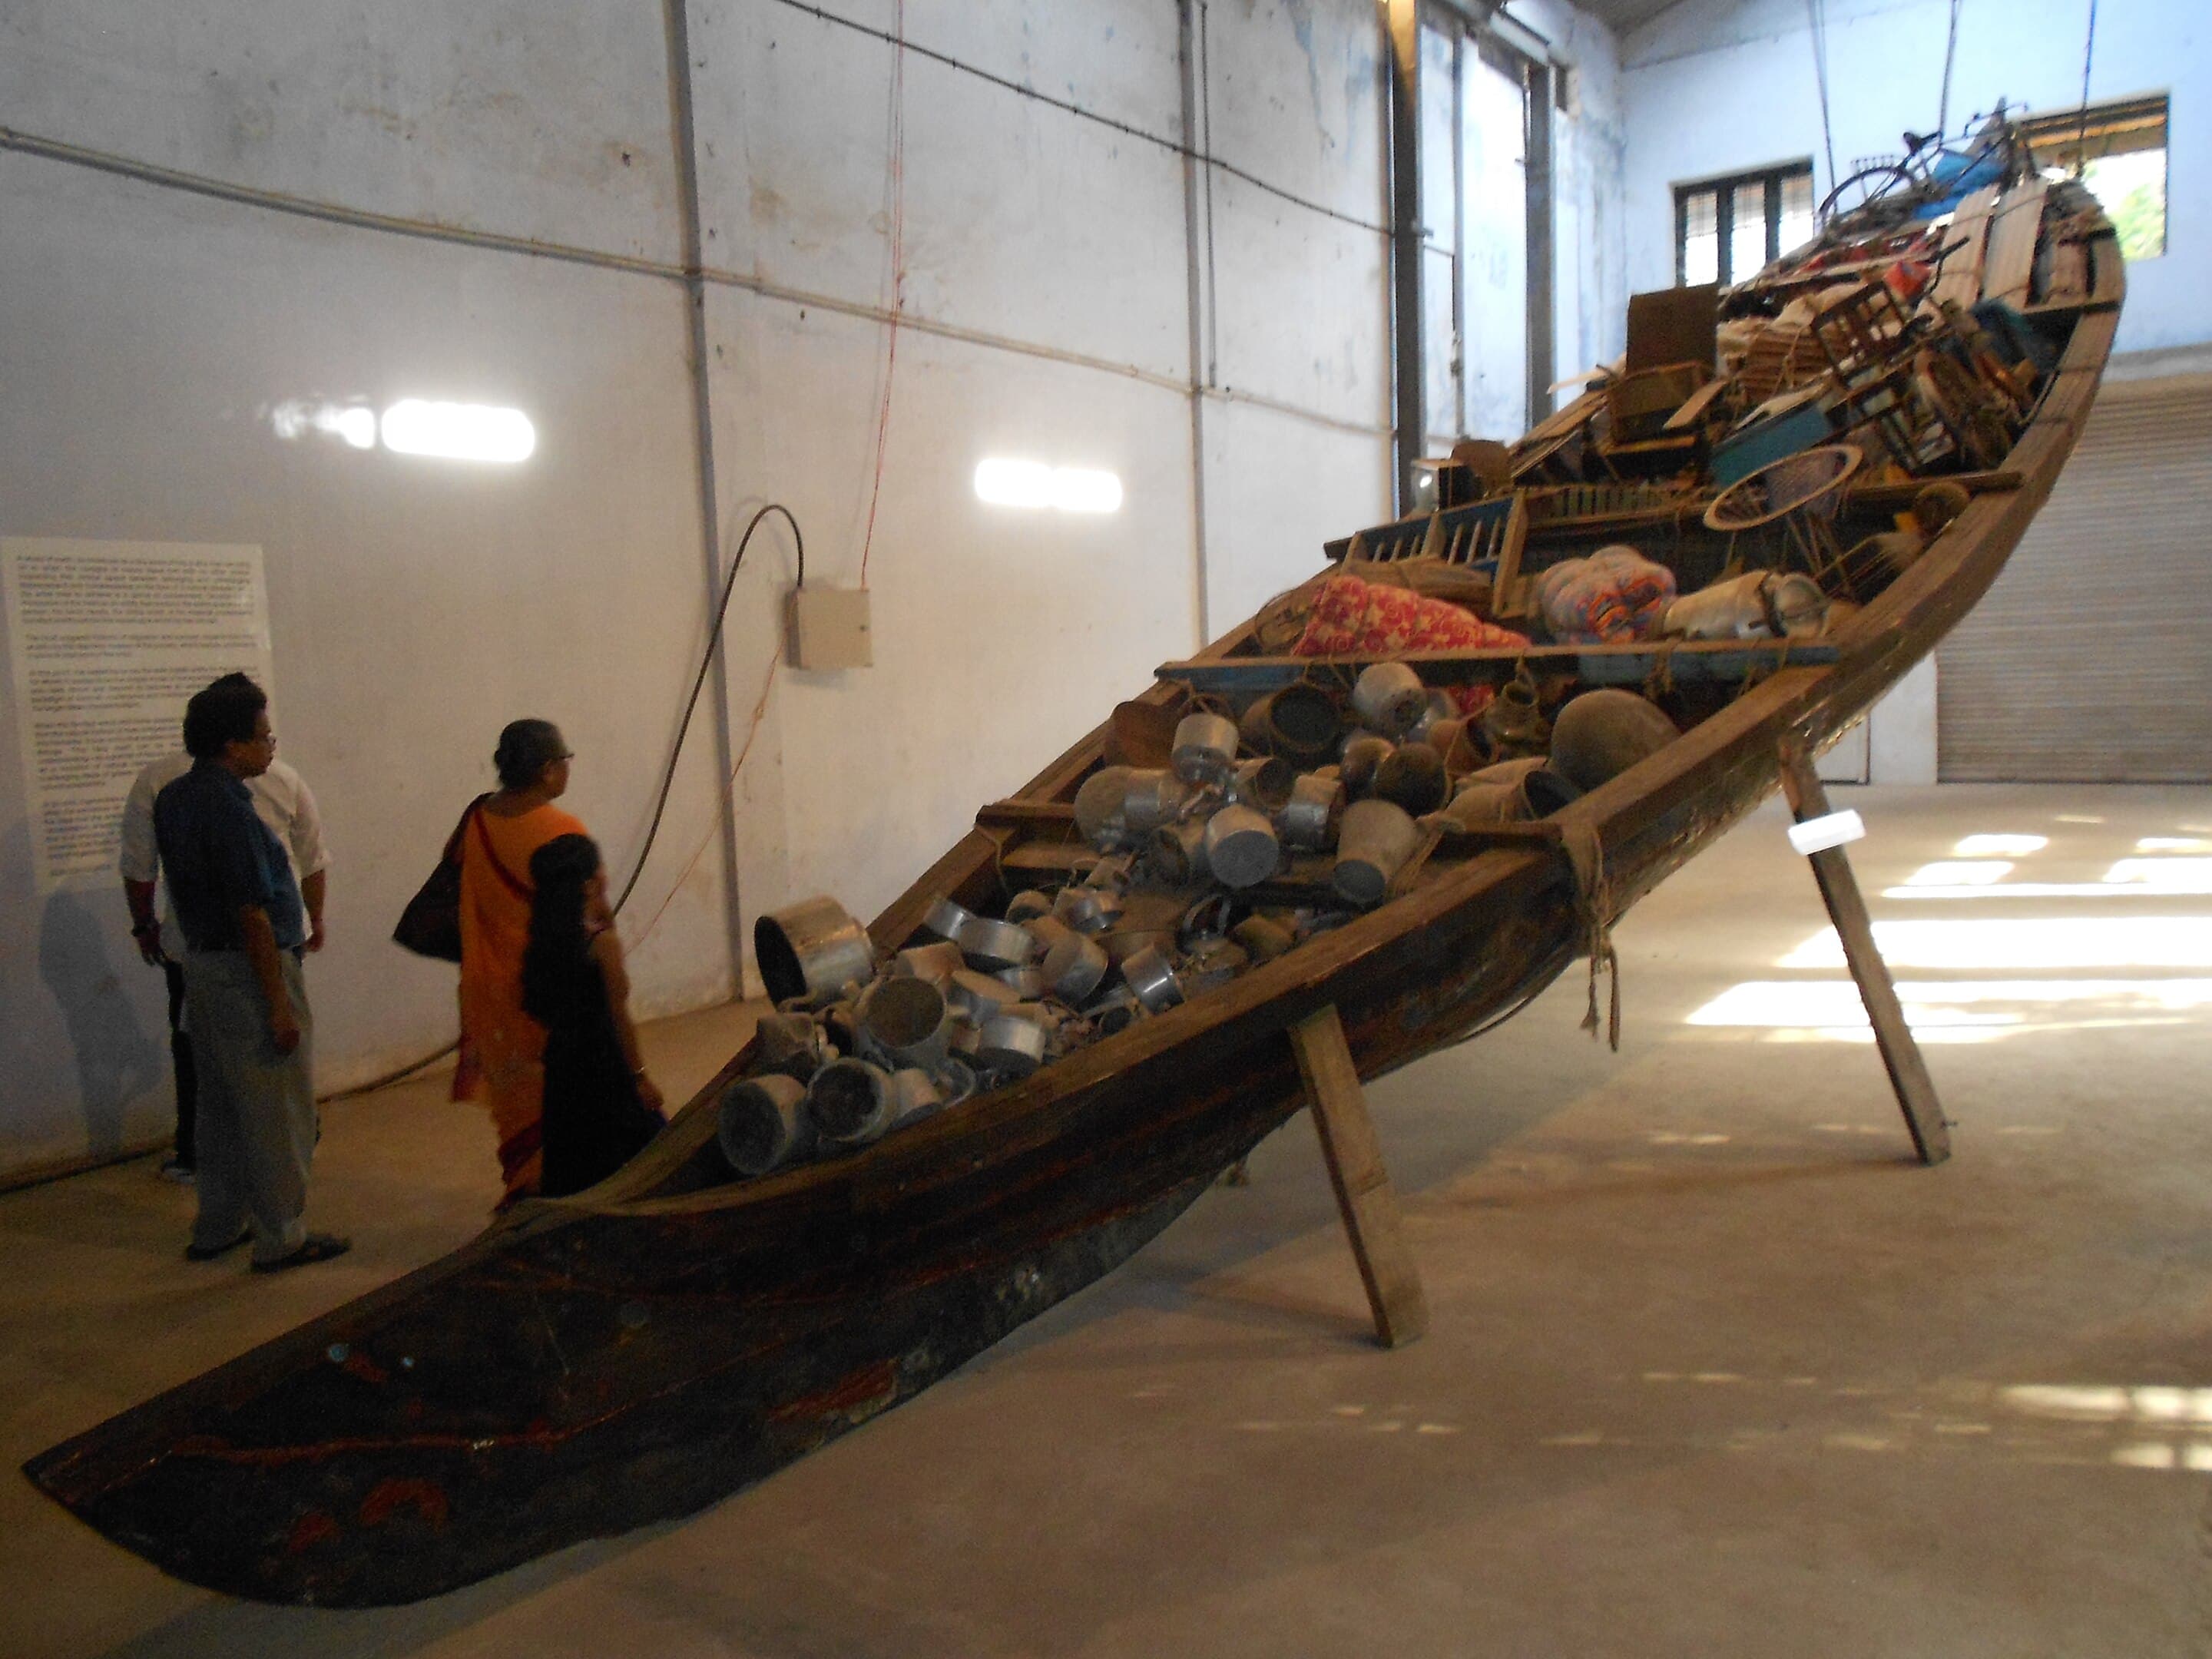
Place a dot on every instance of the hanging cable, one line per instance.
(699, 681)
(1950, 57)
(896, 254)
(2081, 136)
(1816, 13)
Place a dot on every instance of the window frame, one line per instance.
(1723, 189)
(2066, 140)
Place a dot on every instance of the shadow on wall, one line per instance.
(117, 1060)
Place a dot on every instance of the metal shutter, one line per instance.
(2090, 659)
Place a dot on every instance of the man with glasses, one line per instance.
(284, 803)
(245, 929)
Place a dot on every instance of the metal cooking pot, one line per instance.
(812, 949)
(849, 1103)
(1205, 748)
(1378, 838)
(1309, 822)
(762, 1124)
(1241, 848)
(1151, 976)
(992, 945)
(1014, 1043)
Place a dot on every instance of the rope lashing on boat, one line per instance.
(1594, 912)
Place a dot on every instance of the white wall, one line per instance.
(146, 332)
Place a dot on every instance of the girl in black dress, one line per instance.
(600, 1106)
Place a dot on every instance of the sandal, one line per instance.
(208, 1252)
(317, 1246)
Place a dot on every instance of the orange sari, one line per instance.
(506, 1047)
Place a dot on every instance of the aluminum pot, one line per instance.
(1088, 909)
(1601, 734)
(1027, 981)
(935, 963)
(1205, 748)
(1049, 930)
(762, 1124)
(977, 997)
(1300, 722)
(1378, 838)
(811, 949)
(793, 1045)
(915, 1095)
(945, 919)
(1264, 785)
(906, 1019)
(1213, 965)
(1150, 799)
(955, 1080)
(849, 1103)
(992, 945)
(1177, 851)
(1125, 942)
(1026, 906)
(1075, 968)
(1389, 698)
(1117, 1013)
(1151, 978)
(1241, 846)
(1309, 822)
(1098, 808)
(1014, 1043)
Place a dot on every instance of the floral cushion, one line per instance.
(1354, 617)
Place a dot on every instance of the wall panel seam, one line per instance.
(52, 150)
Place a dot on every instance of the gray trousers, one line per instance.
(257, 1107)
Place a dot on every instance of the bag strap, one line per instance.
(452, 853)
(519, 890)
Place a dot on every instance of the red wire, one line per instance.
(898, 268)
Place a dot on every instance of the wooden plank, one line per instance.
(1025, 814)
(1364, 1196)
(2009, 264)
(1595, 664)
(1961, 278)
(1839, 890)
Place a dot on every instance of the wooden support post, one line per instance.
(1900, 1054)
(1363, 1194)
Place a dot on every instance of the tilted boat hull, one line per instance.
(633, 1354)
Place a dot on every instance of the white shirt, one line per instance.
(281, 800)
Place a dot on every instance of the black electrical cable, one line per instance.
(699, 681)
(668, 772)
(1950, 57)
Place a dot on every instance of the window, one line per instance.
(2119, 150)
(1725, 229)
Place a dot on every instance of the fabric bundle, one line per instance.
(1352, 617)
(1613, 596)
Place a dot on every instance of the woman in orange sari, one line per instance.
(502, 1048)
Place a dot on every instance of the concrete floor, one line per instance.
(1714, 1367)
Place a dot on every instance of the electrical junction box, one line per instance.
(829, 628)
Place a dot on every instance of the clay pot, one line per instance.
(935, 963)
(1601, 734)
(1363, 753)
(1377, 838)
(1479, 804)
(1413, 777)
(1025, 907)
(1301, 723)
(1263, 937)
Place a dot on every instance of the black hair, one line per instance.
(526, 749)
(558, 871)
(221, 715)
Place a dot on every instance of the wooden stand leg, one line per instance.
(1900, 1054)
(1363, 1194)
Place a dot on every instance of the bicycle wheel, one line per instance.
(1866, 188)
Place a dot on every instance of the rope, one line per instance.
(2081, 134)
(1816, 11)
(1950, 56)
(1594, 914)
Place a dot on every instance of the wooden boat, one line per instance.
(590, 1364)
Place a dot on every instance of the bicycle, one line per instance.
(1933, 175)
